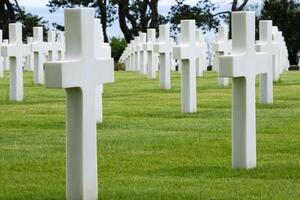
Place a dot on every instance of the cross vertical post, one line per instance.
(80, 73)
(38, 48)
(150, 54)
(164, 49)
(243, 65)
(15, 51)
(186, 53)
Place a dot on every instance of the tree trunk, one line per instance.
(7, 15)
(103, 12)
(144, 18)
(123, 10)
(154, 14)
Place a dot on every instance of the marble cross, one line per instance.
(201, 60)
(243, 65)
(132, 42)
(52, 46)
(187, 53)
(60, 46)
(80, 73)
(265, 44)
(151, 74)
(38, 48)
(102, 51)
(164, 49)
(222, 46)
(143, 54)
(5, 58)
(29, 58)
(15, 50)
(1, 58)
(137, 53)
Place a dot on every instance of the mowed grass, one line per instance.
(147, 149)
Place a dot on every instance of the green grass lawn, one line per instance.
(147, 149)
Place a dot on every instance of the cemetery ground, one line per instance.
(147, 149)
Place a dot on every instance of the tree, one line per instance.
(137, 15)
(104, 9)
(11, 12)
(202, 13)
(285, 14)
(118, 45)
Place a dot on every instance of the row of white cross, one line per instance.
(223, 46)
(241, 59)
(86, 67)
(17, 57)
(146, 55)
(34, 52)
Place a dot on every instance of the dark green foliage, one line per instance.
(11, 12)
(29, 21)
(202, 13)
(286, 15)
(105, 10)
(118, 45)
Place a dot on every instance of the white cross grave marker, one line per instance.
(133, 55)
(60, 46)
(29, 58)
(222, 46)
(143, 55)
(201, 60)
(187, 53)
(1, 58)
(38, 48)
(265, 44)
(137, 53)
(103, 51)
(172, 60)
(243, 65)
(52, 46)
(164, 49)
(80, 73)
(15, 50)
(5, 58)
(150, 54)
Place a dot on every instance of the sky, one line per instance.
(39, 7)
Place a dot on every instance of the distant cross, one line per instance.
(60, 46)
(29, 58)
(172, 60)
(201, 60)
(5, 58)
(187, 53)
(102, 51)
(164, 49)
(222, 46)
(52, 46)
(38, 48)
(137, 53)
(148, 47)
(15, 50)
(265, 44)
(132, 42)
(80, 73)
(243, 65)
(1, 58)
(143, 54)
(129, 57)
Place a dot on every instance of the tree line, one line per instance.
(134, 16)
